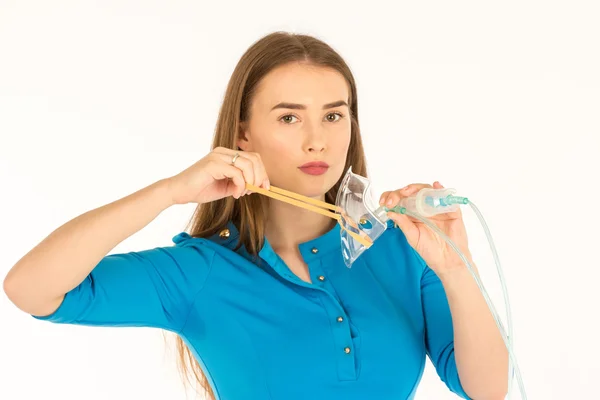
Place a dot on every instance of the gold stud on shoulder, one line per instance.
(224, 233)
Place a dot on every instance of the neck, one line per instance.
(287, 225)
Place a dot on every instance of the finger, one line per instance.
(395, 197)
(260, 172)
(244, 164)
(409, 190)
(413, 188)
(407, 226)
(227, 155)
(248, 168)
(237, 178)
(393, 200)
(384, 197)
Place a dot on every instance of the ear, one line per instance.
(243, 137)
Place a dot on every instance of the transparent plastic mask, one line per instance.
(359, 214)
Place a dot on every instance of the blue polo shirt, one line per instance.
(259, 332)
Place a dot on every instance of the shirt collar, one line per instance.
(310, 250)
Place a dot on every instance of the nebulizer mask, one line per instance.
(360, 215)
(363, 220)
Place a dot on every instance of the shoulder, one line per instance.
(223, 243)
(186, 247)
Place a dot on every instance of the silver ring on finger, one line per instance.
(234, 159)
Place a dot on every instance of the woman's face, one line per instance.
(299, 115)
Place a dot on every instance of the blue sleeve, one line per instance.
(439, 332)
(149, 288)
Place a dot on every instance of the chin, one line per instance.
(316, 189)
(315, 186)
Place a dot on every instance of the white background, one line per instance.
(497, 99)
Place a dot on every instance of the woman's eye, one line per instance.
(332, 117)
(287, 118)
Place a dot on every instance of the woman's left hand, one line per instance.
(438, 255)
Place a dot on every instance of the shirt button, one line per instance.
(321, 278)
(315, 250)
(347, 350)
(224, 233)
(340, 319)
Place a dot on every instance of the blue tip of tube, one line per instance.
(397, 209)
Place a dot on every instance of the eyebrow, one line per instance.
(295, 106)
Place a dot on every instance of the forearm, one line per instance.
(480, 353)
(65, 257)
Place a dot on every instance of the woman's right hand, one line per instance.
(215, 177)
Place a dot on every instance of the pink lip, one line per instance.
(319, 164)
(314, 168)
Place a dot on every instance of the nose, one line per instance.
(315, 141)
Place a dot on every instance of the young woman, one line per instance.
(257, 291)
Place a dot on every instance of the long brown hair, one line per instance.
(248, 212)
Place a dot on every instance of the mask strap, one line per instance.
(310, 204)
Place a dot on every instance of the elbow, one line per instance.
(495, 388)
(499, 396)
(14, 291)
(9, 287)
(501, 393)
(494, 394)
(24, 297)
